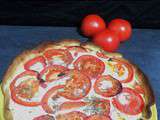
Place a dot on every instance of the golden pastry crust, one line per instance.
(28, 54)
(148, 93)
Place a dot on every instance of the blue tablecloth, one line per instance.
(143, 48)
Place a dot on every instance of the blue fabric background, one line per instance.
(143, 48)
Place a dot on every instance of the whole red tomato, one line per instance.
(92, 24)
(122, 28)
(107, 39)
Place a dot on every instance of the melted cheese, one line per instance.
(37, 67)
(104, 85)
(124, 98)
(120, 78)
(58, 61)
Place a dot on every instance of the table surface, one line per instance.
(142, 49)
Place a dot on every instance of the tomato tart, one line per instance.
(69, 80)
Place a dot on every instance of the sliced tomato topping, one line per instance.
(72, 105)
(71, 116)
(26, 89)
(35, 64)
(53, 72)
(98, 117)
(76, 50)
(58, 57)
(101, 107)
(139, 89)
(44, 117)
(121, 70)
(107, 86)
(102, 55)
(129, 102)
(137, 85)
(51, 93)
(77, 86)
(90, 65)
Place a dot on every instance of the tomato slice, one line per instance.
(71, 105)
(76, 49)
(90, 65)
(129, 102)
(53, 72)
(107, 56)
(139, 89)
(98, 117)
(49, 94)
(121, 70)
(71, 116)
(44, 117)
(77, 86)
(137, 85)
(102, 55)
(58, 57)
(35, 64)
(107, 86)
(102, 107)
(25, 91)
